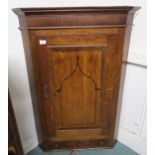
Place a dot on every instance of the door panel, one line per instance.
(77, 73)
(78, 89)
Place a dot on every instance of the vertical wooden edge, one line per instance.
(30, 69)
(125, 48)
(12, 122)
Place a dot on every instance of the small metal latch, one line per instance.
(42, 42)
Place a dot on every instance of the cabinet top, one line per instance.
(59, 10)
(75, 17)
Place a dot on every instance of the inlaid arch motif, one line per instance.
(76, 91)
(72, 73)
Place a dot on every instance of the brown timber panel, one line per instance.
(75, 81)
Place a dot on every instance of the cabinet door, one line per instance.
(77, 81)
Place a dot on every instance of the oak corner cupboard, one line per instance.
(76, 60)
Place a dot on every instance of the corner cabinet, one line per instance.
(76, 60)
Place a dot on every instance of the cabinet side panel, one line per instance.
(111, 82)
(115, 104)
(28, 41)
(125, 34)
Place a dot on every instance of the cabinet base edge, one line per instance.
(76, 145)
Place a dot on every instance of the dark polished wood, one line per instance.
(75, 60)
(14, 142)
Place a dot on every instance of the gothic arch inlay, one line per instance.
(72, 73)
